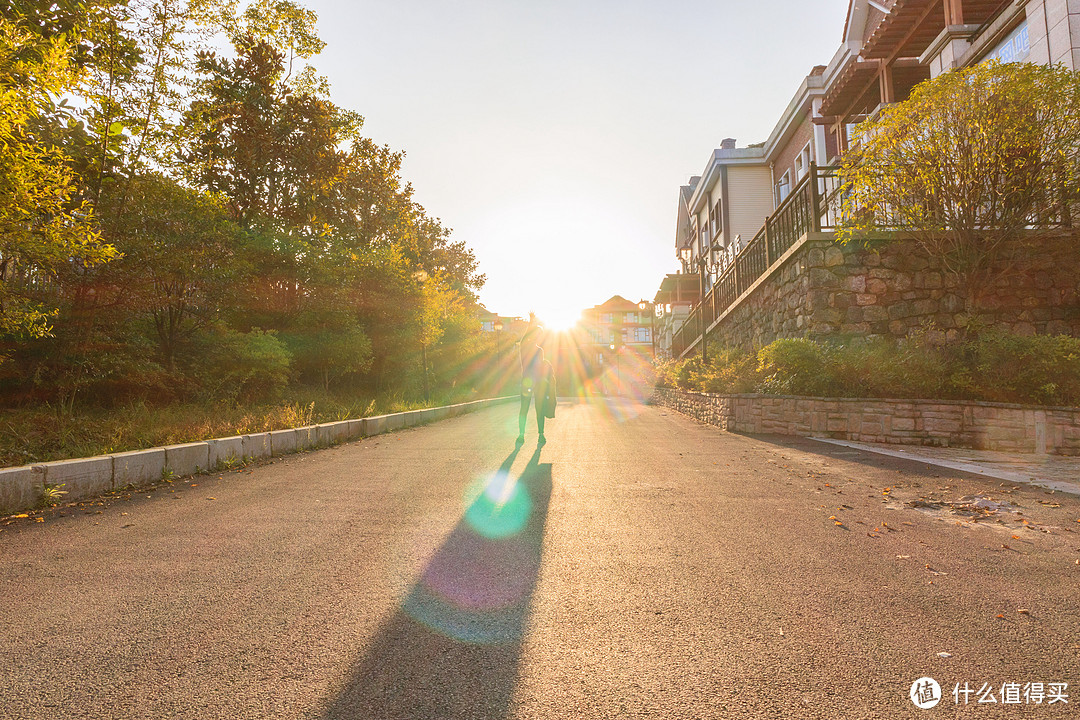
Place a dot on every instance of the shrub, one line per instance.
(1041, 369)
(794, 366)
(994, 366)
(241, 367)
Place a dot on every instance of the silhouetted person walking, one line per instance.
(534, 379)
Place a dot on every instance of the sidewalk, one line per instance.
(1056, 472)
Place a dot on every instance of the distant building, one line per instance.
(677, 296)
(616, 325)
(514, 326)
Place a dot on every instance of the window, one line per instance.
(606, 318)
(488, 326)
(717, 218)
(1014, 48)
(631, 318)
(783, 187)
(802, 163)
(641, 335)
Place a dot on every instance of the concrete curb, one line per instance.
(985, 469)
(22, 488)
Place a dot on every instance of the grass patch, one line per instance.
(43, 433)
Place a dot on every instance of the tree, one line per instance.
(43, 229)
(975, 166)
(181, 259)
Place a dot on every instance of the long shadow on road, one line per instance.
(451, 650)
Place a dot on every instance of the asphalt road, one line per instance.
(638, 565)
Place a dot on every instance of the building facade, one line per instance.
(616, 326)
(729, 218)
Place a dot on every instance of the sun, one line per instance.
(559, 319)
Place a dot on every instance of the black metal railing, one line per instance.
(813, 206)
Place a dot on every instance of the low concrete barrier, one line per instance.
(18, 490)
(376, 425)
(307, 437)
(332, 433)
(137, 467)
(79, 477)
(187, 458)
(225, 450)
(257, 446)
(282, 442)
(21, 487)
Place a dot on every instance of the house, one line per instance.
(677, 295)
(493, 322)
(891, 46)
(731, 230)
(615, 326)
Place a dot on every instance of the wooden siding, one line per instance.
(751, 200)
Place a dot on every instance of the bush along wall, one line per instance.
(993, 366)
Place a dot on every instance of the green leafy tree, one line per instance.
(182, 258)
(975, 165)
(43, 228)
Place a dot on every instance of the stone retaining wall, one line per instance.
(980, 425)
(824, 288)
(21, 487)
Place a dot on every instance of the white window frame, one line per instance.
(802, 163)
(783, 188)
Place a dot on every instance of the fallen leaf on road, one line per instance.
(211, 498)
(40, 519)
(25, 515)
(903, 557)
(1006, 546)
(1023, 611)
(832, 517)
(944, 655)
(838, 523)
(908, 523)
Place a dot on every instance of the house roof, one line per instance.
(617, 302)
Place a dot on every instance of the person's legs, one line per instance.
(523, 415)
(538, 401)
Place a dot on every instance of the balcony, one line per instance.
(813, 206)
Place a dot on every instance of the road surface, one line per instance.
(638, 565)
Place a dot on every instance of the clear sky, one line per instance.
(553, 135)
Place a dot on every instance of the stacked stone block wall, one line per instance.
(826, 289)
(984, 426)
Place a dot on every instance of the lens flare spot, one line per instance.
(500, 509)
